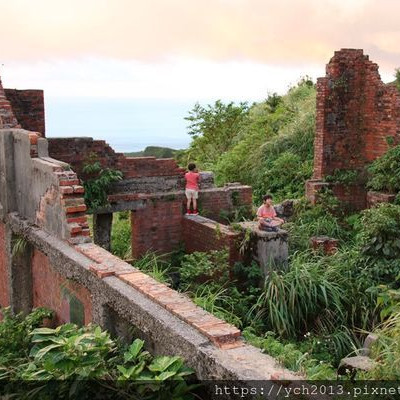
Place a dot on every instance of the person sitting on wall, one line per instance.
(192, 188)
(266, 215)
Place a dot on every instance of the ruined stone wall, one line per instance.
(217, 203)
(71, 300)
(79, 151)
(203, 234)
(157, 226)
(28, 107)
(7, 116)
(84, 283)
(357, 117)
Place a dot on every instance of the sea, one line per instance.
(127, 125)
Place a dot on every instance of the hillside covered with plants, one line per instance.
(267, 145)
(319, 308)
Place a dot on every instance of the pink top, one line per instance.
(192, 180)
(265, 212)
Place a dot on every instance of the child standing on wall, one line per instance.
(192, 188)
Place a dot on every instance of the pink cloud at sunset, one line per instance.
(288, 31)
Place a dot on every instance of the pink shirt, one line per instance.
(265, 212)
(192, 180)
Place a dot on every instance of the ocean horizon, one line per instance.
(127, 125)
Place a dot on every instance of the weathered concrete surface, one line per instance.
(7, 179)
(102, 224)
(21, 289)
(270, 249)
(25, 180)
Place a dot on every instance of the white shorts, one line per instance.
(191, 194)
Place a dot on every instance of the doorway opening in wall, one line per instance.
(121, 242)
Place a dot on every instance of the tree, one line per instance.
(214, 128)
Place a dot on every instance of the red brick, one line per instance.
(69, 182)
(78, 189)
(78, 220)
(77, 209)
(66, 190)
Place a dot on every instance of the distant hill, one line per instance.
(154, 151)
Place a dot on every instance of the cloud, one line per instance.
(262, 31)
(175, 78)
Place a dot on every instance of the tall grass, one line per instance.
(156, 266)
(217, 302)
(293, 302)
(387, 350)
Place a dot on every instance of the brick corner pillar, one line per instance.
(102, 224)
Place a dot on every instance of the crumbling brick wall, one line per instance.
(157, 226)
(220, 203)
(70, 300)
(357, 117)
(7, 116)
(203, 234)
(28, 107)
(80, 151)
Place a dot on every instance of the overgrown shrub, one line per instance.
(15, 329)
(121, 235)
(379, 235)
(293, 302)
(198, 267)
(84, 363)
(268, 145)
(97, 184)
(385, 172)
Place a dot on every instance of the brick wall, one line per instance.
(226, 199)
(7, 116)
(4, 281)
(374, 198)
(78, 151)
(203, 234)
(28, 107)
(51, 290)
(357, 114)
(157, 227)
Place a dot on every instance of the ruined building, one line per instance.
(59, 266)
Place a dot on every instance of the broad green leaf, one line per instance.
(42, 352)
(161, 364)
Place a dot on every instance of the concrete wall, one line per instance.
(4, 268)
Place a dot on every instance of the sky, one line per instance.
(133, 69)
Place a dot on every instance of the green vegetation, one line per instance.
(82, 363)
(154, 151)
(385, 172)
(97, 183)
(121, 234)
(319, 308)
(397, 75)
(268, 145)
